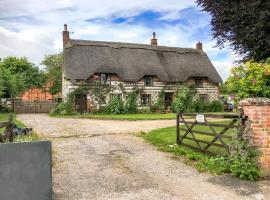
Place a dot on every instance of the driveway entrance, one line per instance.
(103, 159)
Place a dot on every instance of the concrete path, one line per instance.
(98, 159)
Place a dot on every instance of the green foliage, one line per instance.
(19, 75)
(242, 24)
(131, 101)
(1, 83)
(53, 66)
(159, 106)
(63, 108)
(183, 98)
(200, 106)
(5, 109)
(250, 80)
(243, 158)
(241, 161)
(115, 106)
(216, 106)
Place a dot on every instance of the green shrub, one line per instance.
(64, 108)
(115, 106)
(159, 106)
(183, 99)
(216, 106)
(145, 110)
(200, 106)
(244, 159)
(5, 108)
(131, 102)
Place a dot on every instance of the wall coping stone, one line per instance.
(258, 101)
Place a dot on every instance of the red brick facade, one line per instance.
(258, 112)
(36, 94)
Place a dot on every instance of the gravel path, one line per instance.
(97, 159)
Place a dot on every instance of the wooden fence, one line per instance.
(21, 106)
(195, 131)
(8, 134)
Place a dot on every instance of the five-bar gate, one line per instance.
(205, 131)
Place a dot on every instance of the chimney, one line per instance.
(199, 46)
(154, 40)
(65, 36)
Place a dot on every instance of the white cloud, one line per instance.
(33, 28)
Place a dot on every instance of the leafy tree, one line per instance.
(20, 75)
(251, 79)
(1, 83)
(244, 24)
(9, 84)
(53, 66)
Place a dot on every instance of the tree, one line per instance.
(244, 24)
(53, 66)
(19, 75)
(1, 83)
(251, 79)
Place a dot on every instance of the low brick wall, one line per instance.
(258, 112)
(25, 171)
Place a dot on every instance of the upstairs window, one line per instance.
(148, 80)
(145, 99)
(105, 78)
(198, 82)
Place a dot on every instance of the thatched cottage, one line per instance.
(151, 67)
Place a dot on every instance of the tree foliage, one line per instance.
(244, 24)
(251, 79)
(19, 75)
(53, 66)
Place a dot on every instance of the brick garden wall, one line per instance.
(258, 112)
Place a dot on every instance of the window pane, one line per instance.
(146, 99)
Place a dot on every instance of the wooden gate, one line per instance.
(21, 106)
(195, 131)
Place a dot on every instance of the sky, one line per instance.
(33, 28)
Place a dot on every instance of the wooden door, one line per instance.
(81, 103)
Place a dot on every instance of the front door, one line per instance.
(81, 103)
(168, 98)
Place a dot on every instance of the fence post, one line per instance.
(258, 112)
(9, 128)
(177, 128)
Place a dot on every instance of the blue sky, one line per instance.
(32, 28)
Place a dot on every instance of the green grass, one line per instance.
(131, 117)
(165, 140)
(24, 138)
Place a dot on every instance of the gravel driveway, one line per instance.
(97, 159)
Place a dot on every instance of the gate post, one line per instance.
(258, 112)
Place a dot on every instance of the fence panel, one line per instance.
(21, 106)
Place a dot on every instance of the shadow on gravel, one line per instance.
(245, 188)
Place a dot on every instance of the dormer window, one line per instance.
(198, 81)
(105, 78)
(148, 80)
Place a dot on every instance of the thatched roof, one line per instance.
(83, 58)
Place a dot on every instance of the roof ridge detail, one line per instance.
(119, 45)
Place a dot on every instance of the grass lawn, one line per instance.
(131, 117)
(33, 137)
(148, 116)
(165, 140)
